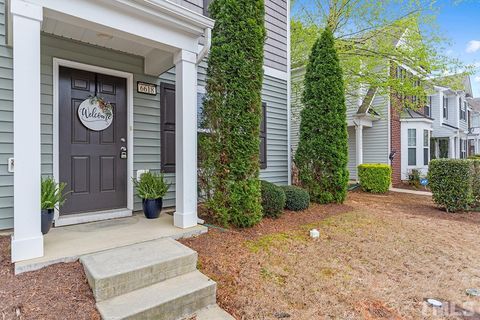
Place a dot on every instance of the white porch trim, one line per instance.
(185, 215)
(57, 63)
(289, 98)
(27, 240)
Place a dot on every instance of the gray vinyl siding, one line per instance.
(274, 93)
(276, 26)
(194, 5)
(440, 130)
(276, 42)
(6, 126)
(375, 139)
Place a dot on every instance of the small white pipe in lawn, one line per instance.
(314, 233)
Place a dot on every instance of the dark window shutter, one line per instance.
(167, 127)
(263, 137)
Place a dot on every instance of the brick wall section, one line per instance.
(395, 134)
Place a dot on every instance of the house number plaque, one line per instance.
(147, 88)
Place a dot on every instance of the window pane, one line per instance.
(412, 137)
(425, 138)
(412, 156)
(425, 156)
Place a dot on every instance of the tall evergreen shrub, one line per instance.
(232, 110)
(322, 153)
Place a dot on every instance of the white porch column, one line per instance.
(27, 240)
(359, 144)
(185, 139)
(451, 148)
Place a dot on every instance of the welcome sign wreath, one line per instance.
(95, 113)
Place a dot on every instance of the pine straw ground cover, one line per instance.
(59, 291)
(378, 257)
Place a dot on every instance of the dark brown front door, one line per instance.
(90, 161)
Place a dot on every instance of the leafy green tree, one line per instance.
(371, 34)
(232, 112)
(322, 153)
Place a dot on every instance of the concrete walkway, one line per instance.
(67, 244)
(417, 192)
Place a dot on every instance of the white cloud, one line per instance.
(473, 46)
(477, 79)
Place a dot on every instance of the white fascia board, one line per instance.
(425, 120)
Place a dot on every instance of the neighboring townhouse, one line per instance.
(474, 126)
(147, 58)
(378, 131)
(452, 113)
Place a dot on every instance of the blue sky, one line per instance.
(461, 24)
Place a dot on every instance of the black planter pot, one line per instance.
(152, 207)
(47, 219)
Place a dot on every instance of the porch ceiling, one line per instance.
(62, 29)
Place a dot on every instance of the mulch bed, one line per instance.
(59, 291)
(378, 257)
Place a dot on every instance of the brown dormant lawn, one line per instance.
(378, 257)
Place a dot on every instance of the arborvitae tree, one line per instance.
(322, 153)
(232, 112)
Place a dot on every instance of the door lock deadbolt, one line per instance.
(123, 153)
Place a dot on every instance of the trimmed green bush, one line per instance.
(322, 154)
(297, 198)
(375, 177)
(232, 110)
(451, 183)
(476, 183)
(273, 199)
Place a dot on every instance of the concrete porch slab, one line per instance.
(67, 244)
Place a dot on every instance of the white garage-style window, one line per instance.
(412, 147)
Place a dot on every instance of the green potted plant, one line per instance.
(151, 187)
(52, 197)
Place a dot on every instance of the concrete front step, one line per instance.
(212, 312)
(118, 271)
(170, 299)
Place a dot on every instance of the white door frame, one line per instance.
(102, 215)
